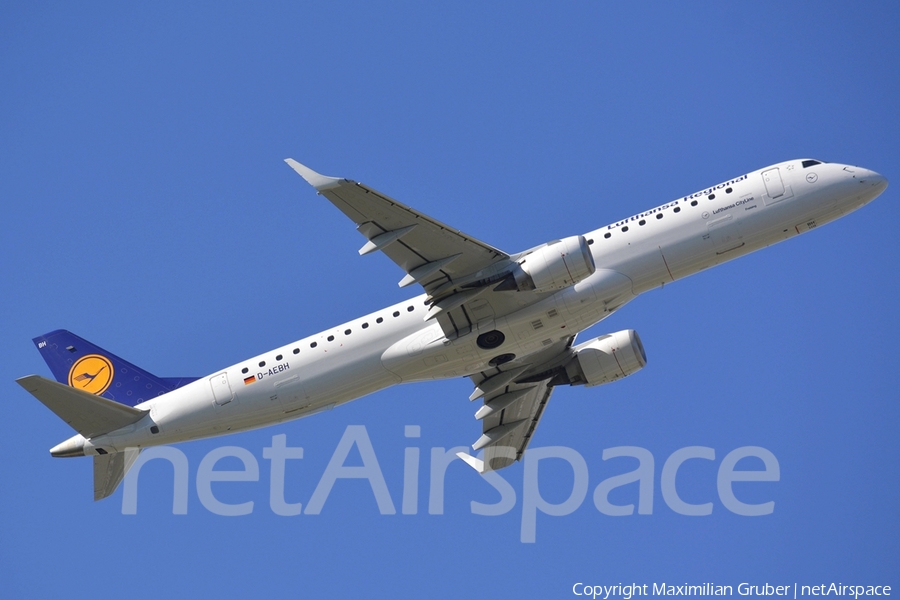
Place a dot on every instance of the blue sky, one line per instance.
(147, 208)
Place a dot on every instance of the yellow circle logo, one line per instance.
(92, 373)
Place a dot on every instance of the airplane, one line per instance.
(507, 321)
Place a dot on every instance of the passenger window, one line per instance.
(296, 350)
(330, 338)
(607, 235)
(625, 228)
(728, 190)
(396, 313)
(590, 242)
(642, 222)
(365, 325)
(313, 345)
(262, 363)
(712, 196)
(379, 320)
(410, 309)
(244, 370)
(346, 332)
(693, 203)
(677, 209)
(279, 357)
(659, 215)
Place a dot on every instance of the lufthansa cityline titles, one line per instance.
(674, 203)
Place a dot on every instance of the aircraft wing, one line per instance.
(457, 271)
(507, 432)
(514, 402)
(406, 236)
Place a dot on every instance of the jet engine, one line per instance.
(607, 358)
(558, 265)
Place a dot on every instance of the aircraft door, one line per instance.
(774, 184)
(221, 389)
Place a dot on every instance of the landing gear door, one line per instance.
(725, 234)
(221, 389)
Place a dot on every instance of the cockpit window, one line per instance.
(811, 163)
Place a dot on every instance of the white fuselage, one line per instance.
(396, 344)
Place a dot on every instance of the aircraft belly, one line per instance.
(594, 298)
(429, 355)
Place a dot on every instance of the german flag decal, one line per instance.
(249, 380)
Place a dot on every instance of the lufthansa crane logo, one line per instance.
(92, 373)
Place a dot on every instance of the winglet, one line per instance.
(317, 180)
(470, 460)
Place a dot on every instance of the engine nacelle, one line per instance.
(607, 358)
(556, 266)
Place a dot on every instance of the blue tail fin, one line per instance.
(76, 362)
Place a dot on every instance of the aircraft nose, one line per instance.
(872, 184)
(875, 183)
(877, 180)
(866, 177)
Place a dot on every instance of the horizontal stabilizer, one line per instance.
(110, 470)
(88, 414)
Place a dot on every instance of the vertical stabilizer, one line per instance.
(76, 362)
